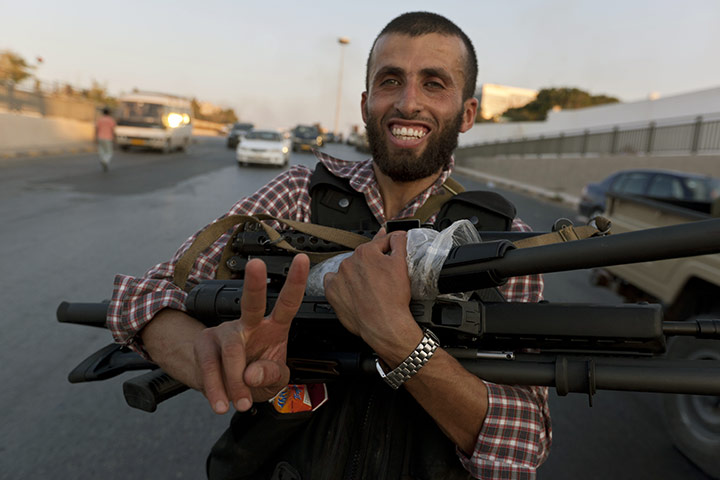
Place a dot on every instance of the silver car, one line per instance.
(264, 147)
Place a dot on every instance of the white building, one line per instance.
(667, 110)
(494, 100)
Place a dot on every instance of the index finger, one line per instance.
(398, 244)
(253, 300)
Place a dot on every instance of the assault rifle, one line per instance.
(572, 347)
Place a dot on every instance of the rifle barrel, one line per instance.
(461, 273)
(567, 373)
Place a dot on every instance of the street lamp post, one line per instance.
(342, 41)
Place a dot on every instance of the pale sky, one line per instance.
(277, 62)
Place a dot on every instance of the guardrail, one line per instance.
(681, 136)
(15, 99)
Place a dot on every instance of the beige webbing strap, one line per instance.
(435, 202)
(215, 230)
(565, 234)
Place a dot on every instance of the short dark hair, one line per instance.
(416, 24)
(106, 111)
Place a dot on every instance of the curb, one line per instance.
(47, 152)
(564, 198)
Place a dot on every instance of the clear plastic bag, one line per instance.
(427, 250)
(315, 286)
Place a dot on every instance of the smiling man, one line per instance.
(424, 416)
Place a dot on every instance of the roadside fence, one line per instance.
(14, 98)
(677, 136)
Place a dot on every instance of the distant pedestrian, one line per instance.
(105, 136)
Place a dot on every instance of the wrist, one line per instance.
(415, 361)
(393, 345)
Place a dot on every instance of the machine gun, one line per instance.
(573, 347)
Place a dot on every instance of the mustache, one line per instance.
(415, 117)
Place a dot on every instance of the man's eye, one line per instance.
(390, 81)
(434, 85)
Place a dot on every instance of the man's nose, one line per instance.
(409, 101)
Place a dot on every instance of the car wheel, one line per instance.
(124, 148)
(166, 147)
(693, 421)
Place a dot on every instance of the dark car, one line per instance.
(688, 190)
(305, 137)
(236, 133)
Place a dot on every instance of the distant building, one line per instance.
(494, 99)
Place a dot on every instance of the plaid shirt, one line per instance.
(516, 435)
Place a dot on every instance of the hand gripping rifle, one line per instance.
(572, 347)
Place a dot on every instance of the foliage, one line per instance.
(222, 116)
(98, 94)
(13, 68)
(549, 98)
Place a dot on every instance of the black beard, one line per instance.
(404, 166)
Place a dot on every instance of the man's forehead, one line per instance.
(388, 46)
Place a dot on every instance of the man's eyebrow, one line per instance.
(437, 72)
(390, 70)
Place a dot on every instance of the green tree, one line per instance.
(549, 98)
(223, 116)
(13, 68)
(98, 94)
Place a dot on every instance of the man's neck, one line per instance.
(396, 195)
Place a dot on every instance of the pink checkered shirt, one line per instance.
(516, 434)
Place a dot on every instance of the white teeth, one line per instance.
(406, 133)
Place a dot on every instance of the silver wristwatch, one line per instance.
(413, 363)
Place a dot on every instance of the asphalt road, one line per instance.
(67, 228)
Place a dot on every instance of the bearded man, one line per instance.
(443, 422)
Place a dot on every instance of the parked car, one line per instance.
(683, 189)
(306, 137)
(236, 132)
(263, 147)
(359, 140)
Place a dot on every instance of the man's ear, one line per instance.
(470, 107)
(363, 104)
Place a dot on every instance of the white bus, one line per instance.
(153, 120)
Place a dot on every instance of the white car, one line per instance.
(264, 147)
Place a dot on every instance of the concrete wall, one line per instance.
(664, 110)
(567, 175)
(31, 134)
(25, 134)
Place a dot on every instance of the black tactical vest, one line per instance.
(366, 430)
(334, 203)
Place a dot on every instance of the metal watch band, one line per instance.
(413, 363)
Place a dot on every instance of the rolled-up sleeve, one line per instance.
(136, 300)
(516, 435)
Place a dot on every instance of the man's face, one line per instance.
(413, 108)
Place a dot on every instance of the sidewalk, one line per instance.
(49, 151)
(564, 198)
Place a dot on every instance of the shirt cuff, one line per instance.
(511, 442)
(134, 304)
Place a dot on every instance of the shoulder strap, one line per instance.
(215, 230)
(567, 234)
(435, 202)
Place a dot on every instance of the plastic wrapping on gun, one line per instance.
(427, 250)
(315, 286)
